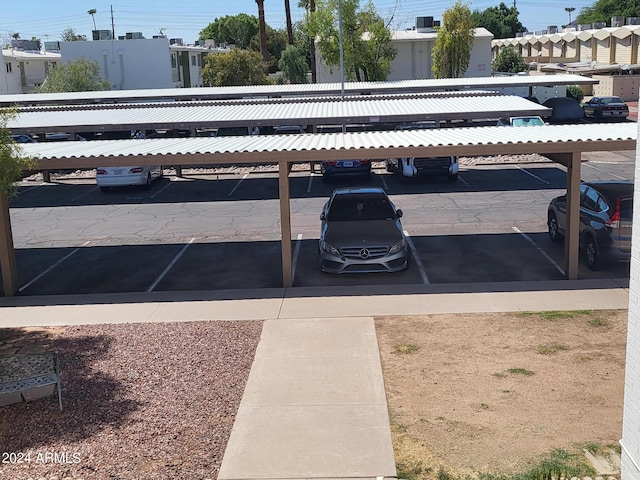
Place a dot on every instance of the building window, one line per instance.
(174, 61)
(193, 60)
(199, 57)
(8, 67)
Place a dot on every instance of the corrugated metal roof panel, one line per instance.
(543, 139)
(350, 88)
(314, 113)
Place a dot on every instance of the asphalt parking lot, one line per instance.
(216, 231)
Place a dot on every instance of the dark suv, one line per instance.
(606, 212)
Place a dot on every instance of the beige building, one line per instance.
(414, 52)
(609, 54)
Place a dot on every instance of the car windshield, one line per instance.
(360, 207)
(526, 121)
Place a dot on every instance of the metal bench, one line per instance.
(25, 377)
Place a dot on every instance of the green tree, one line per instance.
(276, 44)
(69, 35)
(502, 21)
(293, 65)
(238, 67)
(366, 39)
(12, 159)
(603, 10)
(237, 30)
(454, 41)
(12, 164)
(79, 75)
(509, 60)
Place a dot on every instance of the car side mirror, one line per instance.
(322, 216)
(399, 213)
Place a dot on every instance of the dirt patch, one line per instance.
(493, 392)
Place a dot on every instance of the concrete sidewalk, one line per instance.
(314, 405)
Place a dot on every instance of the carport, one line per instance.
(563, 144)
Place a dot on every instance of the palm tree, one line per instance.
(263, 31)
(92, 12)
(310, 6)
(287, 11)
(569, 10)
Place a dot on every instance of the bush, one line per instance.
(575, 92)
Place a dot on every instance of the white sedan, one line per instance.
(107, 177)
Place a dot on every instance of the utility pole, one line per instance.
(113, 27)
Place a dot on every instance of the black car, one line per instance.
(564, 110)
(606, 213)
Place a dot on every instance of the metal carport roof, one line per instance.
(350, 88)
(352, 110)
(547, 139)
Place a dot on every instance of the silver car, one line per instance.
(361, 232)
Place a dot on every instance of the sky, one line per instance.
(46, 19)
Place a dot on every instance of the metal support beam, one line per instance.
(572, 234)
(285, 224)
(7, 252)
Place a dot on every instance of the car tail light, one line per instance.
(364, 162)
(614, 220)
(332, 162)
(101, 171)
(135, 170)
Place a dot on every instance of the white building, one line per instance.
(126, 64)
(24, 71)
(414, 55)
(630, 465)
(133, 62)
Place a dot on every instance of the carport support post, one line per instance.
(7, 252)
(285, 224)
(572, 238)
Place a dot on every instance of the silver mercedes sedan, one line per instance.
(361, 232)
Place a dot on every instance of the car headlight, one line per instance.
(329, 249)
(398, 246)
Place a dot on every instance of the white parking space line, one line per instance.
(34, 280)
(295, 257)
(238, 184)
(384, 182)
(25, 190)
(161, 190)
(605, 171)
(544, 254)
(531, 174)
(85, 193)
(414, 252)
(311, 175)
(460, 179)
(166, 270)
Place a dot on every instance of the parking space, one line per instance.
(220, 231)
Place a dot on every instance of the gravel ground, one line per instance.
(242, 169)
(141, 401)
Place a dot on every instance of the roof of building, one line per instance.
(28, 55)
(417, 34)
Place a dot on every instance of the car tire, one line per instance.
(147, 185)
(554, 228)
(591, 254)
